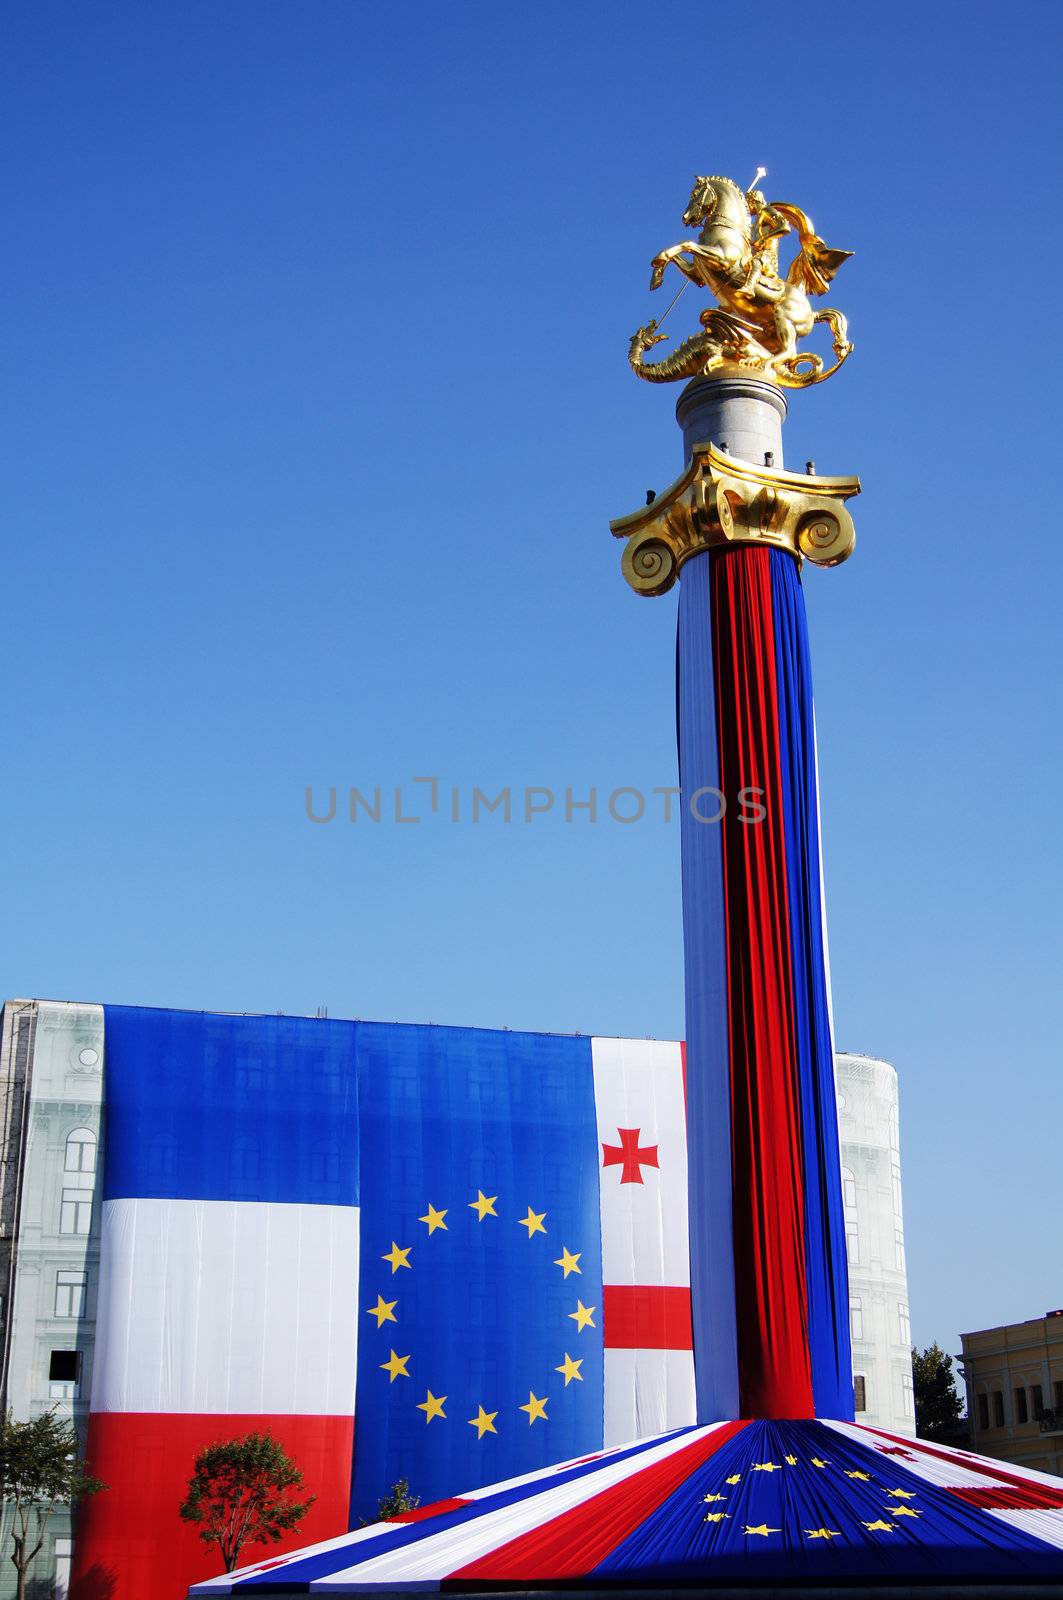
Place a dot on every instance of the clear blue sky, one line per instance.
(315, 412)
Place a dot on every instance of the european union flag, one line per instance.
(480, 1345)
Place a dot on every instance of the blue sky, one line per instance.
(316, 411)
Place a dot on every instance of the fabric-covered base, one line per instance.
(831, 1509)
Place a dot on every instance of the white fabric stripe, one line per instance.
(647, 1392)
(227, 1307)
(822, 887)
(1046, 1525)
(426, 1563)
(638, 1083)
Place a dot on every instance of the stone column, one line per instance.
(769, 1292)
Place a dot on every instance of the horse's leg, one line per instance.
(839, 328)
(674, 253)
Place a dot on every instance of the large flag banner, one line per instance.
(442, 1254)
(481, 1281)
(228, 1276)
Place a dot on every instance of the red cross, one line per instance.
(630, 1154)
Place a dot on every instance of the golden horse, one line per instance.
(761, 315)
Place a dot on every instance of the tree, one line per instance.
(938, 1408)
(241, 1492)
(397, 1500)
(40, 1468)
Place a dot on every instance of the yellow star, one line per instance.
(816, 1462)
(535, 1408)
(791, 1461)
(904, 1511)
(716, 1516)
(398, 1258)
(569, 1262)
(766, 1466)
(901, 1494)
(709, 1498)
(822, 1533)
(434, 1219)
(432, 1406)
(533, 1222)
(737, 1478)
(383, 1311)
(396, 1366)
(865, 1477)
(880, 1527)
(484, 1421)
(583, 1316)
(763, 1529)
(571, 1369)
(484, 1206)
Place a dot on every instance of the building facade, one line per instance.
(869, 1130)
(1014, 1379)
(52, 1103)
(51, 1084)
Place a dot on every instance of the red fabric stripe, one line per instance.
(436, 1509)
(570, 1545)
(771, 1294)
(1031, 1497)
(646, 1317)
(130, 1541)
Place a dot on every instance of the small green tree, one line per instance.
(397, 1500)
(40, 1468)
(938, 1408)
(241, 1491)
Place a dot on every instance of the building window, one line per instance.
(907, 1394)
(848, 1188)
(852, 1246)
(80, 1151)
(895, 1185)
(1022, 1410)
(904, 1323)
(64, 1371)
(76, 1213)
(856, 1317)
(859, 1392)
(1059, 1388)
(895, 1128)
(1037, 1400)
(69, 1294)
(983, 1411)
(998, 1408)
(898, 1249)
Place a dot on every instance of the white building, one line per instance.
(869, 1131)
(51, 1090)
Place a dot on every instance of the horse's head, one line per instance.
(719, 200)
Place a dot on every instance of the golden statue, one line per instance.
(761, 314)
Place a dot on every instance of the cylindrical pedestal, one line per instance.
(767, 1238)
(741, 415)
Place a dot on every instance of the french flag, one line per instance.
(228, 1296)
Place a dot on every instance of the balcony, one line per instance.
(1050, 1421)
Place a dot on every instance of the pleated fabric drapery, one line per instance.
(768, 1272)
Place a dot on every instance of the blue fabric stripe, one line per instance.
(209, 1107)
(712, 1268)
(946, 1540)
(305, 1569)
(825, 1262)
(483, 1311)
